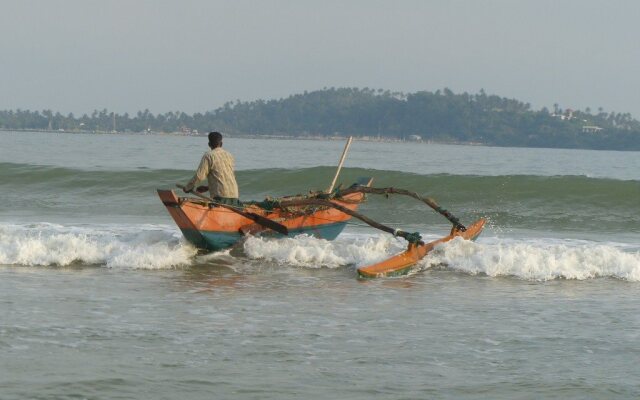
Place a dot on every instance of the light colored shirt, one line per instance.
(217, 166)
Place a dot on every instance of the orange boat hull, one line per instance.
(216, 228)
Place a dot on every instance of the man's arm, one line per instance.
(201, 173)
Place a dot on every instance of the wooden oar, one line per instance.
(259, 219)
(428, 201)
(411, 237)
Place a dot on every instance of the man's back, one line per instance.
(217, 166)
(222, 180)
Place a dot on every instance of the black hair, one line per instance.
(215, 139)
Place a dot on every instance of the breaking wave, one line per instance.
(308, 251)
(538, 260)
(44, 244)
(160, 247)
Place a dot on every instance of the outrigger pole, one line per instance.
(411, 237)
(323, 201)
(387, 191)
(344, 155)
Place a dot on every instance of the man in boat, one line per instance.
(217, 166)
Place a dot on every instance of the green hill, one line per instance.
(441, 116)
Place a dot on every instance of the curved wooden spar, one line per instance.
(427, 200)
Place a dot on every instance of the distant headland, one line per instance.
(441, 116)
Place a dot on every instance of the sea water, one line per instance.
(101, 297)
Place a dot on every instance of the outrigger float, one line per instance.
(210, 225)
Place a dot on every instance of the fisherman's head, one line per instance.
(215, 139)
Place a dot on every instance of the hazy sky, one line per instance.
(77, 56)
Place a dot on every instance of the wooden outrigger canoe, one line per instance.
(402, 263)
(212, 226)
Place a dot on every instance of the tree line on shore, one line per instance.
(441, 116)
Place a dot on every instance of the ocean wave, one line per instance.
(276, 179)
(161, 247)
(538, 261)
(310, 252)
(140, 247)
(542, 260)
(548, 203)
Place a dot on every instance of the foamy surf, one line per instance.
(528, 259)
(141, 246)
(160, 247)
(308, 251)
(538, 260)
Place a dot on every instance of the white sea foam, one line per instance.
(538, 260)
(158, 246)
(530, 259)
(140, 246)
(308, 251)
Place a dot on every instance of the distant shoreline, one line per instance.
(370, 115)
(372, 139)
(252, 136)
(310, 138)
